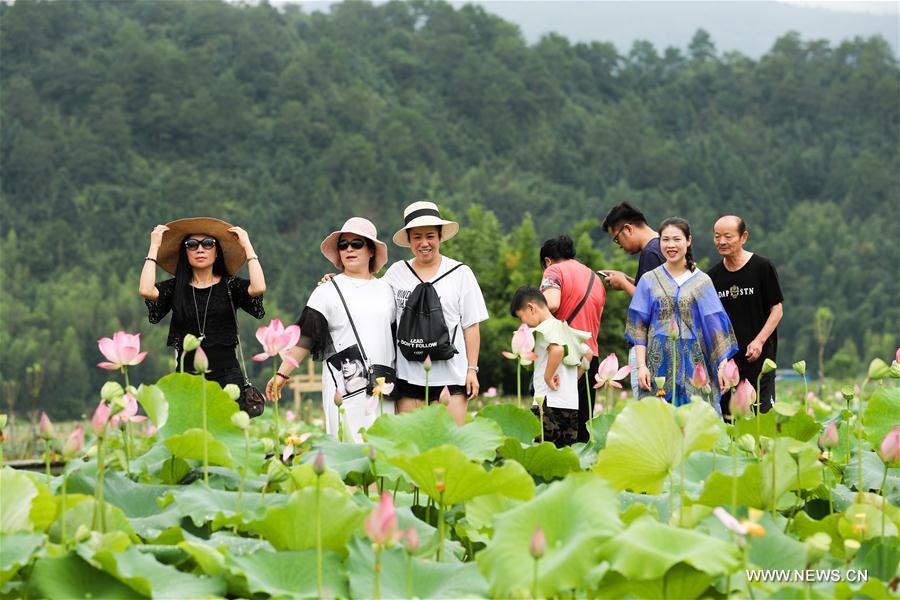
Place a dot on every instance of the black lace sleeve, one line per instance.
(314, 334)
(252, 305)
(159, 308)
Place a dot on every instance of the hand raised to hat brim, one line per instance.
(156, 236)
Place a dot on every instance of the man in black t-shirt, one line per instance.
(627, 227)
(748, 287)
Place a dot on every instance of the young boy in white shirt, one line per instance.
(559, 349)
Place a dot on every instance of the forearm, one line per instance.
(298, 353)
(554, 359)
(257, 279)
(472, 338)
(775, 315)
(640, 354)
(148, 277)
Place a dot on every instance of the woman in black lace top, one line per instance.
(203, 253)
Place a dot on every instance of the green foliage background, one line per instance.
(117, 116)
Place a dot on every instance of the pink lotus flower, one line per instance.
(830, 438)
(45, 427)
(381, 524)
(673, 330)
(201, 362)
(151, 430)
(74, 443)
(100, 419)
(742, 399)
(897, 357)
(729, 521)
(276, 340)
(522, 346)
(129, 413)
(731, 374)
(490, 393)
(289, 415)
(890, 446)
(700, 379)
(608, 373)
(122, 350)
(538, 545)
(319, 463)
(411, 540)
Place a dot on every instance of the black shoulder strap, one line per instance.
(362, 350)
(237, 329)
(577, 309)
(433, 281)
(413, 271)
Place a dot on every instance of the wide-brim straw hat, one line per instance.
(357, 226)
(422, 214)
(233, 253)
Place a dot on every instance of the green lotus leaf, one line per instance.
(543, 460)
(137, 501)
(292, 526)
(464, 478)
(304, 476)
(351, 461)
(647, 549)
(202, 504)
(515, 422)
(144, 574)
(154, 403)
(755, 483)
(872, 475)
(879, 558)
(431, 427)
(70, 576)
(183, 393)
(480, 514)
(681, 581)
(882, 414)
(800, 426)
(645, 442)
(207, 557)
(44, 508)
(429, 579)
(189, 445)
(805, 526)
(17, 491)
(577, 515)
(863, 522)
(775, 550)
(873, 588)
(16, 550)
(81, 512)
(599, 427)
(290, 574)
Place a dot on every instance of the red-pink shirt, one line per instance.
(571, 278)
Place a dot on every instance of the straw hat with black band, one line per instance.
(228, 245)
(424, 214)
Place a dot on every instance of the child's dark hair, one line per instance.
(561, 248)
(524, 295)
(621, 214)
(685, 227)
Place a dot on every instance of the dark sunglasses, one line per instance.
(192, 244)
(355, 243)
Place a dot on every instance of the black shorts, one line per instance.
(404, 389)
(560, 425)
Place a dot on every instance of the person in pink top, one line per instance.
(575, 294)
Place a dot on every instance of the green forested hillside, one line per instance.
(117, 116)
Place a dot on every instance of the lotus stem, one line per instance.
(519, 385)
(759, 417)
(319, 586)
(377, 594)
(883, 515)
(127, 433)
(734, 477)
(859, 428)
(99, 513)
(47, 451)
(541, 413)
(205, 431)
(440, 549)
(426, 387)
(681, 487)
(243, 471)
(774, 459)
(275, 402)
(534, 580)
(62, 523)
(409, 576)
(674, 369)
(341, 424)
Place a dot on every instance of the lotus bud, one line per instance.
(830, 437)
(539, 400)
(768, 366)
(897, 357)
(411, 540)
(110, 390)
(268, 445)
(741, 403)
(233, 391)
(851, 547)
(894, 371)
(673, 330)
(381, 524)
(731, 374)
(201, 363)
(100, 419)
(878, 369)
(747, 443)
(241, 420)
(439, 484)
(490, 393)
(372, 454)
(700, 380)
(538, 545)
(427, 362)
(816, 546)
(800, 367)
(319, 463)
(890, 446)
(191, 342)
(82, 533)
(74, 443)
(338, 398)
(45, 427)
(445, 395)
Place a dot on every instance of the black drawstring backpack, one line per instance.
(422, 330)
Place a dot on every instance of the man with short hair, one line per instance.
(627, 227)
(748, 286)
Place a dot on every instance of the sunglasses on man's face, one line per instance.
(355, 243)
(192, 244)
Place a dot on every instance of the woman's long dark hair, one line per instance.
(685, 228)
(184, 273)
(561, 248)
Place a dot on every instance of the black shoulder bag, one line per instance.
(251, 400)
(422, 330)
(373, 371)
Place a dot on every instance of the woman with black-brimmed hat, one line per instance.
(462, 308)
(203, 254)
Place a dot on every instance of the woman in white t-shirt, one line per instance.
(462, 305)
(350, 349)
